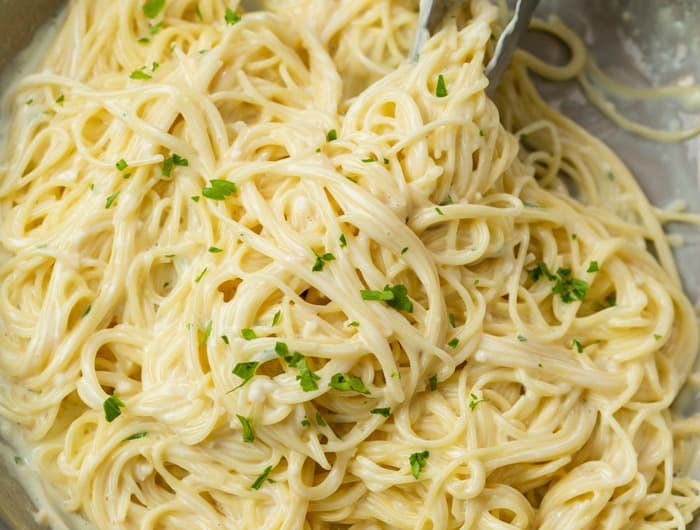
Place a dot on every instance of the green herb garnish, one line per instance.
(231, 16)
(307, 379)
(593, 267)
(418, 462)
(331, 135)
(453, 343)
(206, 333)
(219, 190)
(245, 371)
(432, 383)
(140, 74)
(261, 479)
(395, 296)
(384, 411)
(441, 88)
(248, 334)
(321, 260)
(112, 407)
(136, 436)
(122, 164)
(347, 382)
(152, 7)
(110, 200)
(576, 344)
(475, 401)
(248, 433)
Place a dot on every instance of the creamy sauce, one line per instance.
(15, 453)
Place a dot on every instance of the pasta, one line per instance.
(261, 272)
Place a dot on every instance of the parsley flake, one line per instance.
(453, 343)
(261, 478)
(276, 319)
(593, 267)
(121, 164)
(576, 344)
(248, 334)
(215, 250)
(231, 17)
(568, 288)
(60, 99)
(475, 401)
(522, 338)
(347, 382)
(152, 7)
(321, 260)
(112, 407)
(220, 189)
(206, 333)
(225, 340)
(418, 462)
(441, 88)
(331, 135)
(87, 311)
(451, 318)
(432, 383)
(201, 275)
(305, 422)
(136, 436)
(343, 241)
(384, 411)
(140, 74)
(110, 200)
(307, 379)
(248, 432)
(395, 296)
(319, 420)
(245, 371)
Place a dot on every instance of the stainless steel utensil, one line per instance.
(431, 13)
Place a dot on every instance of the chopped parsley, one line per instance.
(343, 241)
(140, 74)
(261, 478)
(307, 379)
(174, 160)
(475, 401)
(576, 344)
(321, 260)
(248, 432)
(198, 12)
(225, 340)
(404, 250)
(383, 411)
(522, 338)
(204, 337)
(569, 288)
(395, 296)
(29, 101)
(155, 66)
(245, 371)
(453, 343)
(347, 382)
(451, 318)
(276, 319)
(481, 132)
(248, 334)
(418, 462)
(87, 311)
(541, 270)
(201, 275)
(136, 436)
(354, 324)
(331, 135)
(657, 336)
(282, 350)
(439, 211)
(112, 407)
(319, 420)
(593, 267)
(144, 40)
(611, 300)
(231, 16)
(369, 160)
(155, 29)
(215, 250)
(219, 190)
(305, 422)
(441, 88)
(152, 7)
(110, 200)
(60, 99)
(121, 164)
(432, 383)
